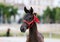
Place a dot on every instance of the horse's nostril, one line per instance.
(22, 30)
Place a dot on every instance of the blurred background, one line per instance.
(11, 16)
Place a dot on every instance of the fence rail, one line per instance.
(54, 28)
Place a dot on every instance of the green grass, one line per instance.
(56, 36)
(46, 35)
(3, 34)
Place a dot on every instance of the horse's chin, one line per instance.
(23, 31)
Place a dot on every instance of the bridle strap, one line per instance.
(29, 23)
(32, 22)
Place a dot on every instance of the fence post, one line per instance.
(50, 35)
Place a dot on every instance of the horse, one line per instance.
(29, 22)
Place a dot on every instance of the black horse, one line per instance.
(29, 22)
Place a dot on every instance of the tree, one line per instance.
(47, 15)
(7, 12)
(2, 12)
(14, 12)
(57, 17)
(52, 15)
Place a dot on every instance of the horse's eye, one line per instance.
(29, 18)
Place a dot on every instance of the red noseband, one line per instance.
(34, 20)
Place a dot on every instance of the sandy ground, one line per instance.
(23, 39)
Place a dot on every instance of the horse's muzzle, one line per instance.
(23, 29)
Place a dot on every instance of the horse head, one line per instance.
(28, 19)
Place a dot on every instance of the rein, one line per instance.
(32, 22)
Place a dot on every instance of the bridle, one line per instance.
(30, 24)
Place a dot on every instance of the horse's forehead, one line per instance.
(28, 14)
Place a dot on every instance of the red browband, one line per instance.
(34, 20)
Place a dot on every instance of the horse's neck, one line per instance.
(33, 33)
(33, 29)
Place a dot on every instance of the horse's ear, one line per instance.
(31, 10)
(25, 9)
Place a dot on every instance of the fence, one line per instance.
(44, 28)
(52, 29)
